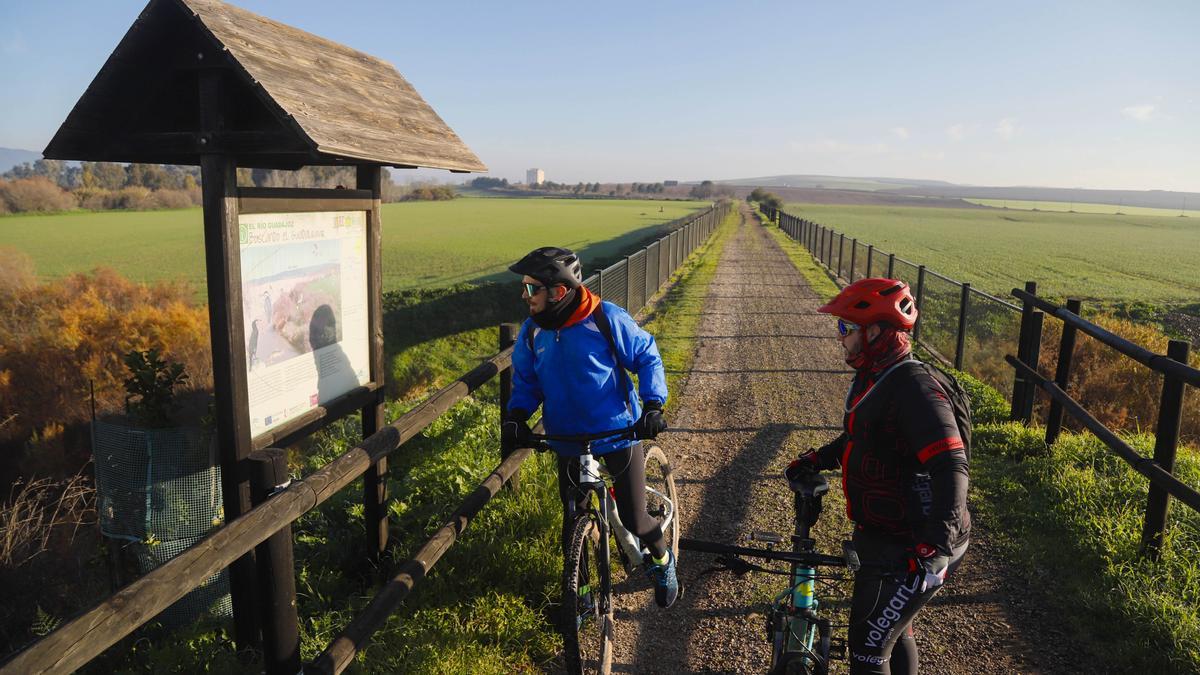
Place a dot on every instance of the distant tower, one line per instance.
(535, 177)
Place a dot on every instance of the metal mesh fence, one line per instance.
(160, 489)
(940, 302)
(992, 330)
(652, 278)
(616, 284)
(637, 281)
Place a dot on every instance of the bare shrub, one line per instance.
(39, 511)
(170, 199)
(131, 197)
(35, 194)
(1118, 391)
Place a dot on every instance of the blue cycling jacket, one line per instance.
(573, 377)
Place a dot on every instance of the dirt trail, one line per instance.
(768, 382)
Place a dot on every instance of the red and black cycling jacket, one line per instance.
(904, 467)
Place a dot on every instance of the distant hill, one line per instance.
(1161, 199)
(10, 157)
(820, 182)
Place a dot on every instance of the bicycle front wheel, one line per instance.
(587, 610)
(662, 501)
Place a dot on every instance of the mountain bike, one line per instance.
(801, 638)
(587, 610)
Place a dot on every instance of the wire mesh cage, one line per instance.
(159, 490)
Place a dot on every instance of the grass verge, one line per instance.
(1069, 517)
(812, 271)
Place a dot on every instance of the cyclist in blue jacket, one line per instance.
(563, 362)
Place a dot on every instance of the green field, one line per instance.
(1106, 258)
(424, 243)
(1113, 209)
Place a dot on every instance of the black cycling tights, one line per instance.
(882, 610)
(628, 470)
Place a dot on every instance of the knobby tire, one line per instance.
(587, 631)
(660, 476)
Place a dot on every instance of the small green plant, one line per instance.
(150, 391)
(44, 623)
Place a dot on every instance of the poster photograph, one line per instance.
(304, 310)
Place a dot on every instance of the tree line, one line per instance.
(49, 185)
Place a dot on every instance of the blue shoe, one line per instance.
(666, 584)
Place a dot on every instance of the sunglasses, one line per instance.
(845, 328)
(533, 289)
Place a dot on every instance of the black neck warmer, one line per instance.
(557, 313)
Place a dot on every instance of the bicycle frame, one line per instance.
(797, 629)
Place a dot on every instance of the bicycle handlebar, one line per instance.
(849, 560)
(627, 432)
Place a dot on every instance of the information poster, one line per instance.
(304, 306)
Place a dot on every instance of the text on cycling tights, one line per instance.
(629, 487)
(882, 608)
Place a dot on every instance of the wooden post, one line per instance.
(276, 570)
(891, 266)
(1034, 351)
(1166, 441)
(920, 296)
(841, 253)
(870, 259)
(1022, 343)
(374, 415)
(508, 337)
(961, 342)
(223, 265)
(853, 259)
(1062, 373)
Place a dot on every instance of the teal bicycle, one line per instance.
(801, 636)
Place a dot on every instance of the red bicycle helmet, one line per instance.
(869, 301)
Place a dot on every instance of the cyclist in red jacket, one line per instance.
(904, 473)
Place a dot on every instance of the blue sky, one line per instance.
(1068, 94)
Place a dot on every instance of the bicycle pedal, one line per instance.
(837, 648)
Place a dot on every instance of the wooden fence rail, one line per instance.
(81, 639)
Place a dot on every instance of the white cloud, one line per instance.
(1141, 113)
(1007, 128)
(957, 132)
(900, 132)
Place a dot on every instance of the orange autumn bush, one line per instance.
(60, 338)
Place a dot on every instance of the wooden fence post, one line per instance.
(961, 343)
(1062, 373)
(841, 253)
(1022, 343)
(920, 297)
(508, 338)
(374, 415)
(853, 258)
(276, 570)
(1034, 351)
(1166, 441)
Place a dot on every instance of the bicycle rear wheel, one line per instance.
(587, 611)
(662, 501)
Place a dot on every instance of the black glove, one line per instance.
(652, 423)
(926, 567)
(515, 432)
(802, 466)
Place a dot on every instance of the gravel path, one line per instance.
(768, 382)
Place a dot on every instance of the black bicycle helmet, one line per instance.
(551, 266)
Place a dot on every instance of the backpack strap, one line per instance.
(605, 327)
